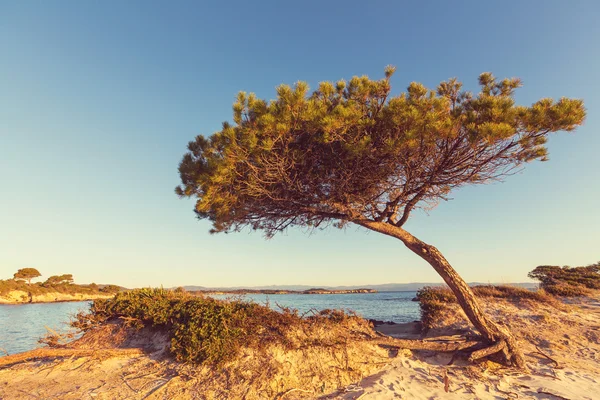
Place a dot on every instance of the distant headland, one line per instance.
(57, 288)
(306, 289)
(282, 291)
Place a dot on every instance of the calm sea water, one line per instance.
(22, 325)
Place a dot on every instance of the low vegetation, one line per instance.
(435, 301)
(63, 284)
(39, 288)
(205, 330)
(554, 281)
(568, 281)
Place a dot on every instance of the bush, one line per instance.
(203, 329)
(110, 289)
(433, 303)
(566, 290)
(567, 281)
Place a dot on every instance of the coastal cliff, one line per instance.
(23, 297)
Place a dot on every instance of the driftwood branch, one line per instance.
(41, 354)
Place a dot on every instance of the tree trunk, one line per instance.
(493, 333)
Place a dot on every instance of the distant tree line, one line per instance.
(63, 283)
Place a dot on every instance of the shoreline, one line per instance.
(20, 297)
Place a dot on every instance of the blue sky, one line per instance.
(99, 99)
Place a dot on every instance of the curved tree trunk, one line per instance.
(500, 339)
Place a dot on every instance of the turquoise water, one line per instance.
(385, 306)
(22, 325)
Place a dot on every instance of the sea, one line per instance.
(21, 326)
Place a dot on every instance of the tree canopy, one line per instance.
(27, 274)
(351, 151)
(58, 279)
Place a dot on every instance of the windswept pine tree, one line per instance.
(59, 279)
(27, 274)
(350, 152)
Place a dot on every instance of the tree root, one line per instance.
(475, 349)
(41, 354)
(487, 351)
(413, 344)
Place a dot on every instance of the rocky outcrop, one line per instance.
(22, 297)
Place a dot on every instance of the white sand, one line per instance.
(570, 337)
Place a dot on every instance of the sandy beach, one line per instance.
(562, 349)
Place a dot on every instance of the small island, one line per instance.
(57, 288)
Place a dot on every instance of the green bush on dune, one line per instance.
(568, 281)
(204, 329)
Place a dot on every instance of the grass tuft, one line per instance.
(434, 301)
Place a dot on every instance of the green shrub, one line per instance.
(567, 281)
(203, 329)
(433, 303)
(566, 290)
(110, 289)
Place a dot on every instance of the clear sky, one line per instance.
(99, 99)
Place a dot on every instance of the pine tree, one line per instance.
(350, 152)
(27, 274)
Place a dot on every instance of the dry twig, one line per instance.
(540, 352)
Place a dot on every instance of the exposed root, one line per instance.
(512, 353)
(493, 349)
(41, 354)
(412, 344)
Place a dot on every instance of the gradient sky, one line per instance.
(99, 99)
